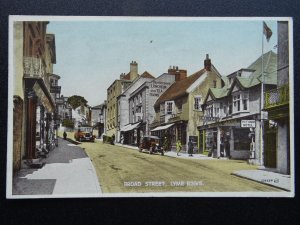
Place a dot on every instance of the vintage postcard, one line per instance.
(150, 107)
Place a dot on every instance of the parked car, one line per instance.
(84, 133)
(151, 144)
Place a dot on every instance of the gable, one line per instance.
(198, 82)
(209, 98)
(236, 87)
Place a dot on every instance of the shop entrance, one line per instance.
(270, 146)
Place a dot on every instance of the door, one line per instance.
(270, 146)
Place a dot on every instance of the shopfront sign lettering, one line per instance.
(248, 123)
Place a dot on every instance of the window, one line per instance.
(225, 110)
(230, 108)
(216, 107)
(215, 83)
(236, 103)
(197, 103)
(169, 107)
(241, 102)
(162, 109)
(179, 107)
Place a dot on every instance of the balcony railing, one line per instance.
(277, 97)
(34, 68)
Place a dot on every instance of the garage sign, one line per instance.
(248, 123)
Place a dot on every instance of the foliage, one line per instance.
(76, 101)
(68, 123)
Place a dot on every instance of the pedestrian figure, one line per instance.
(178, 147)
(166, 144)
(227, 148)
(190, 148)
(113, 139)
(65, 135)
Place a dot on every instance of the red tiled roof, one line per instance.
(127, 76)
(178, 89)
(147, 75)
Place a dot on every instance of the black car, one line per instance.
(151, 144)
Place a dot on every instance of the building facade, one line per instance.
(141, 110)
(114, 90)
(277, 145)
(124, 106)
(232, 122)
(81, 116)
(34, 105)
(98, 114)
(178, 109)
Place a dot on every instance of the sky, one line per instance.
(91, 54)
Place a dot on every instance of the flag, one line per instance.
(267, 31)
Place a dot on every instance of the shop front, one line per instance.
(230, 139)
(131, 134)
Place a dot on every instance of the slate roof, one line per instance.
(178, 88)
(270, 68)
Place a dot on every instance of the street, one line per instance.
(120, 169)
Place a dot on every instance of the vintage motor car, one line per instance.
(151, 144)
(84, 133)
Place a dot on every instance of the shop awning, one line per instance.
(163, 127)
(129, 127)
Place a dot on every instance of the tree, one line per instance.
(68, 123)
(76, 101)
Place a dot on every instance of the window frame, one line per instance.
(197, 102)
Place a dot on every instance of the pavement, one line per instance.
(267, 177)
(261, 175)
(68, 172)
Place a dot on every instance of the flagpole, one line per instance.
(262, 100)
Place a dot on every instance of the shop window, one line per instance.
(241, 139)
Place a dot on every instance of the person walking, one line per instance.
(178, 147)
(112, 139)
(190, 148)
(65, 135)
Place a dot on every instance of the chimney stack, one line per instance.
(133, 70)
(179, 74)
(122, 75)
(207, 63)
